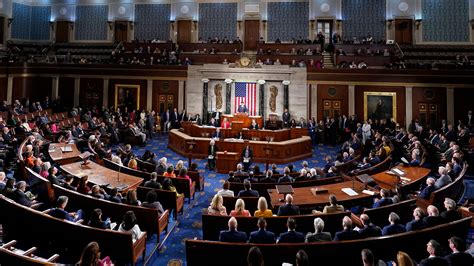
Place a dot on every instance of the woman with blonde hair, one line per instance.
(133, 164)
(179, 166)
(216, 207)
(263, 210)
(240, 209)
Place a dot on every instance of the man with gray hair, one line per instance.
(433, 217)
(318, 235)
(369, 229)
(451, 214)
(288, 208)
(417, 222)
(232, 235)
(19, 195)
(426, 192)
(347, 233)
(444, 178)
(394, 227)
(2, 180)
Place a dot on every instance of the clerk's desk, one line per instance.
(407, 178)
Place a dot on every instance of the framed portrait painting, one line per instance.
(380, 105)
(127, 96)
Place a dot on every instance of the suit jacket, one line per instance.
(459, 259)
(262, 237)
(250, 153)
(346, 235)
(415, 225)
(285, 178)
(288, 210)
(20, 197)
(382, 202)
(426, 192)
(442, 181)
(232, 236)
(435, 261)
(450, 216)
(242, 109)
(248, 193)
(370, 230)
(432, 221)
(61, 214)
(213, 151)
(152, 184)
(291, 237)
(286, 119)
(217, 135)
(318, 237)
(393, 229)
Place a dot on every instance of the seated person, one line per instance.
(262, 236)
(115, 196)
(444, 178)
(268, 177)
(216, 206)
(347, 233)
(240, 209)
(318, 235)
(286, 178)
(263, 210)
(97, 222)
(232, 178)
(129, 225)
(225, 191)
(152, 203)
(247, 192)
(394, 227)
(433, 218)
(21, 196)
(417, 222)
(369, 229)
(169, 172)
(333, 207)
(225, 123)
(435, 251)
(98, 192)
(288, 209)
(232, 235)
(132, 199)
(254, 125)
(458, 257)
(426, 192)
(384, 201)
(82, 187)
(451, 214)
(60, 212)
(365, 164)
(292, 236)
(153, 183)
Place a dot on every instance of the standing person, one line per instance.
(366, 131)
(211, 155)
(286, 117)
(247, 155)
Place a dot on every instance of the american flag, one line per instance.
(246, 92)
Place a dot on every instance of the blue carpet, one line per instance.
(173, 250)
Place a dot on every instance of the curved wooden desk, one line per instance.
(59, 156)
(410, 180)
(275, 152)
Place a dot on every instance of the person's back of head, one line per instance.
(457, 244)
(318, 225)
(403, 259)
(347, 223)
(255, 257)
(262, 223)
(365, 219)
(129, 220)
(232, 223)
(90, 254)
(61, 202)
(151, 196)
(333, 199)
(291, 223)
(302, 258)
(393, 218)
(367, 257)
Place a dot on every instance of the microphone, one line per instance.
(118, 174)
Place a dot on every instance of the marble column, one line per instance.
(10, 90)
(408, 106)
(261, 101)
(77, 87)
(105, 93)
(205, 89)
(180, 95)
(286, 99)
(314, 101)
(228, 95)
(55, 91)
(351, 95)
(149, 94)
(450, 104)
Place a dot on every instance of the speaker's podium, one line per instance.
(226, 161)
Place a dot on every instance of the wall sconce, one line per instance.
(131, 24)
(51, 25)
(195, 24)
(172, 24)
(72, 25)
(110, 24)
(338, 23)
(10, 21)
(264, 24)
(389, 23)
(472, 23)
(239, 24)
(311, 23)
(418, 23)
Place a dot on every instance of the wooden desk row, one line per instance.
(275, 152)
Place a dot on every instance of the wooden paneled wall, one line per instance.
(332, 92)
(463, 102)
(434, 100)
(34, 88)
(143, 89)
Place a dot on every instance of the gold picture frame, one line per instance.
(130, 100)
(380, 105)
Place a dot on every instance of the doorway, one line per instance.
(252, 34)
(184, 31)
(121, 31)
(325, 26)
(404, 31)
(331, 108)
(62, 31)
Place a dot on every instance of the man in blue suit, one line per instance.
(291, 236)
(262, 236)
(232, 235)
(425, 193)
(242, 108)
(347, 233)
(384, 201)
(394, 227)
(288, 209)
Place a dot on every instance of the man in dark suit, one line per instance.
(318, 235)
(451, 214)
(347, 233)
(232, 235)
(288, 208)
(426, 192)
(286, 117)
(394, 227)
(369, 229)
(262, 236)
(60, 212)
(247, 192)
(458, 257)
(247, 155)
(417, 222)
(232, 178)
(242, 108)
(19, 196)
(175, 118)
(291, 236)
(211, 154)
(217, 134)
(384, 201)
(286, 178)
(152, 183)
(434, 249)
(183, 116)
(268, 177)
(217, 116)
(433, 218)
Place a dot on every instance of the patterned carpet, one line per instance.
(173, 251)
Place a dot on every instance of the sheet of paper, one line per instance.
(368, 192)
(349, 191)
